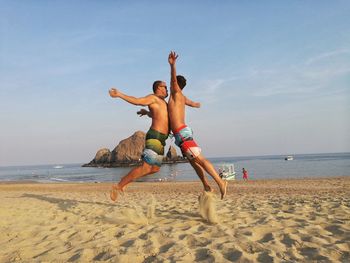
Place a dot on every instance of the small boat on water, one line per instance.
(289, 158)
(58, 167)
(227, 171)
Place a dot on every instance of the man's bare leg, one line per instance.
(200, 172)
(135, 173)
(209, 168)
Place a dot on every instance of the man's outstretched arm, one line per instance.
(144, 101)
(174, 86)
(191, 103)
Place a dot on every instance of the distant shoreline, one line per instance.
(306, 178)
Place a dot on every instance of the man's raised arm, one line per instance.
(144, 101)
(174, 86)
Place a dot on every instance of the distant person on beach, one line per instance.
(183, 134)
(153, 153)
(245, 174)
(221, 173)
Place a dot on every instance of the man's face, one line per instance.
(163, 90)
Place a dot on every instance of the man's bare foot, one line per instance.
(223, 189)
(116, 189)
(208, 188)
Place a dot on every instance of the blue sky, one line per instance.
(273, 77)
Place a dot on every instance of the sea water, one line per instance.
(258, 167)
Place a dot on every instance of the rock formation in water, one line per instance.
(172, 157)
(129, 149)
(128, 153)
(103, 156)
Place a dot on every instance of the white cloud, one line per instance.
(302, 79)
(327, 55)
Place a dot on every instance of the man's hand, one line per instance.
(143, 112)
(114, 93)
(172, 58)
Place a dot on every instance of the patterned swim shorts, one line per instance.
(184, 139)
(154, 149)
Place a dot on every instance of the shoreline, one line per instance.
(258, 221)
(321, 177)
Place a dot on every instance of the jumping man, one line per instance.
(184, 135)
(152, 155)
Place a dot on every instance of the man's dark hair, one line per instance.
(156, 84)
(181, 81)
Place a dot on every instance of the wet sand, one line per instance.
(259, 221)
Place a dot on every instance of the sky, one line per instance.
(273, 77)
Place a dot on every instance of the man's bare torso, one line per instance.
(160, 118)
(176, 109)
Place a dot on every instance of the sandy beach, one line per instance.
(259, 221)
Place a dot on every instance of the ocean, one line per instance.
(258, 167)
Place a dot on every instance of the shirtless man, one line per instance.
(155, 138)
(183, 134)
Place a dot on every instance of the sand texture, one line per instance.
(304, 220)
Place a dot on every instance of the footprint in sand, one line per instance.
(267, 237)
(287, 240)
(335, 230)
(233, 255)
(265, 257)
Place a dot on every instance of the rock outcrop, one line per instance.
(128, 153)
(102, 156)
(130, 149)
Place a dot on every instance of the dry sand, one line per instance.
(259, 221)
